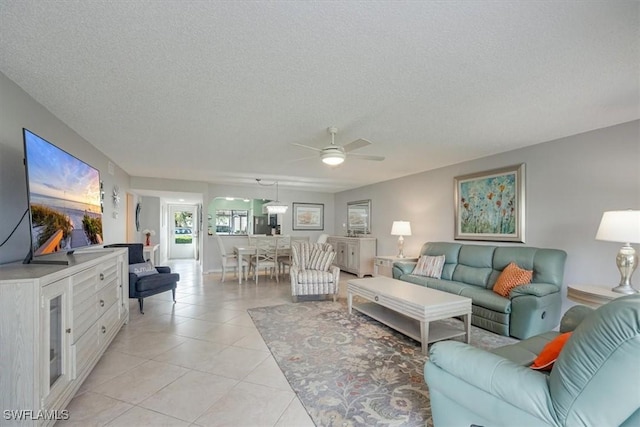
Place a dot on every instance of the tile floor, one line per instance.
(200, 362)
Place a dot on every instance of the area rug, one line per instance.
(351, 370)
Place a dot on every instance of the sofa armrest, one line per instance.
(403, 267)
(572, 318)
(535, 289)
(162, 269)
(521, 387)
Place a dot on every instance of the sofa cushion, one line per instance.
(487, 299)
(525, 352)
(430, 266)
(511, 277)
(155, 281)
(447, 286)
(415, 279)
(474, 265)
(314, 276)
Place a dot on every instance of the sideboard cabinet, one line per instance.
(55, 323)
(354, 254)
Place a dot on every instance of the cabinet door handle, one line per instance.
(104, 330)
(101, 303)
(101, 276)
(68, 330)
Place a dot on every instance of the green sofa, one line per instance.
(472, 270)
(594, 382)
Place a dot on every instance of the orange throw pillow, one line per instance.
(511, 276)
(550, 352)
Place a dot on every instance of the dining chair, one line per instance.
(266, 256)
(284, 250)
(229, 260)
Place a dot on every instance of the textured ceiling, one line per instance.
(217, 91)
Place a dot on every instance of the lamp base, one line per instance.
(627, 261)
(400, 247)
(624, 289)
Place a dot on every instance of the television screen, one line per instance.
(64, 198)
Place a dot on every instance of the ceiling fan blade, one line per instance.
(366, 157)
(315, 156)
(354, 145)
(306, 146)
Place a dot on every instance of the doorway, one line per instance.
(183, 233)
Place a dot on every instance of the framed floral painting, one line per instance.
(308, 216)
(491, 205)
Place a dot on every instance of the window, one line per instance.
(233, 222)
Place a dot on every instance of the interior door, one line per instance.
(183, 231)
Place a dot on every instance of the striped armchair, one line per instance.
(311, 270)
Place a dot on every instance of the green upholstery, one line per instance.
(594, 381)
(472, 270)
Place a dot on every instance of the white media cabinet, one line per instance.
(55, 323)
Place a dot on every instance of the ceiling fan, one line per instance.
(334, 155)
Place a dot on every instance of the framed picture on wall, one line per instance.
(308, 216)
(490, 205)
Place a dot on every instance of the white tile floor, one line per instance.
(200, 362)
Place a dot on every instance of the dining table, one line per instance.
(242, 251)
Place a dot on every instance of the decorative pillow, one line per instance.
(143, 269)
(550, 353)
(430, 266)
(320, 260)
(511, 276)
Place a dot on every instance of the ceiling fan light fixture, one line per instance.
(332, 157)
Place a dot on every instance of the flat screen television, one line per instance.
(65, 199)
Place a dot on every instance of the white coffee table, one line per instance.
(409, 308)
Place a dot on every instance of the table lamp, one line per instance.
(623, 227)
(401, 228)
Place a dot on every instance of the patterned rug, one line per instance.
(351, 370)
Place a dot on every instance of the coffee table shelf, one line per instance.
(438, 331)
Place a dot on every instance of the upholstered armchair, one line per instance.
(311, 271)
(595, 381)
(149, 280)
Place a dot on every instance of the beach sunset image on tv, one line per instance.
(64, 198)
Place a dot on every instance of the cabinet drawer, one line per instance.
(107, 325)
(106, 298)
(108, 273)
(83, 285)
(383, 262)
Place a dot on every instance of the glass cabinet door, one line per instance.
(55, 339)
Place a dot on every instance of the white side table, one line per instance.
(150, 253)
(591, 295)
(383, 264)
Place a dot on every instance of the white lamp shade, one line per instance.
(620, 226)
(401, 228)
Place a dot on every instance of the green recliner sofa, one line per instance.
(472, 270)
(594, 382)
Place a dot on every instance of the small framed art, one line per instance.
(308, 216)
